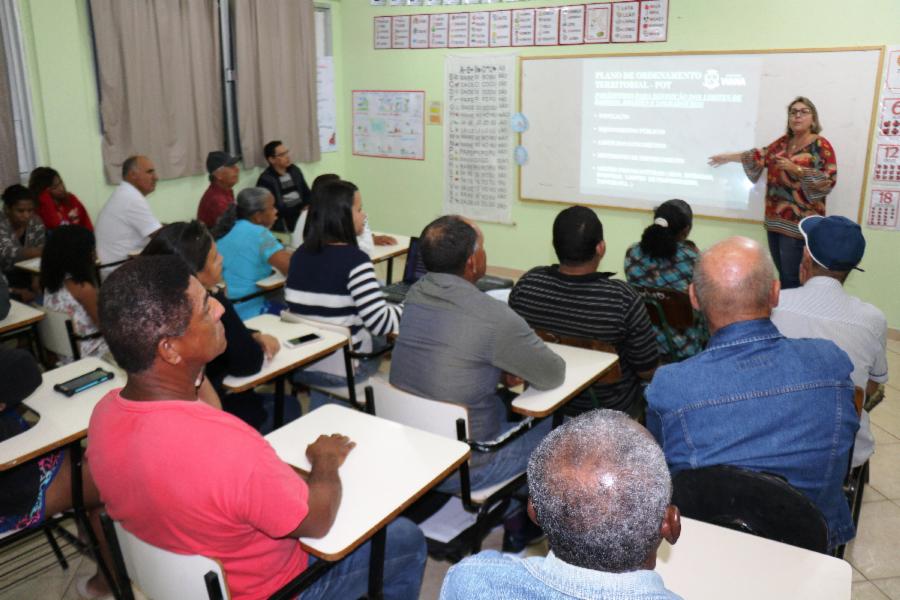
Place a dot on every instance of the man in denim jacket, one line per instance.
(600, 489)
(755, 399)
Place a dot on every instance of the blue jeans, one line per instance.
(364, 370)
(404, 564)
(786, 254)
(499, 466)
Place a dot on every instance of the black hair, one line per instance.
(188, 241)
(330, 218)
(19, 377)
(129, 164)
(447, 243)
(661, 241)
(16, 193)
(576, 232)
(322, 179)
(269, 149)
(142, 302)
(68, 252)
(40, 179)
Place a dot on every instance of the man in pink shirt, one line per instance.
(185, 476)
(223, 172)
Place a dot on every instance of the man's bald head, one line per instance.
(734, 281)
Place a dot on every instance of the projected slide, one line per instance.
(647, 132)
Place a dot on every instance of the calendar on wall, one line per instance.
(884, 179)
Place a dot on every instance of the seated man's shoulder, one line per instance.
(816, 354)
(505, 574)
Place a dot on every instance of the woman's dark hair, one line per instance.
(670, 220)
(330, 217)
(68, 252)
(19, 377)
(40, 179)
(248, 202)
(188, 241)
(321, 180)
(15, 193)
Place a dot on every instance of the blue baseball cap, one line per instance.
(835, 243)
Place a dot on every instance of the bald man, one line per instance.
(599, 487)
(126, 223)
(755, 399)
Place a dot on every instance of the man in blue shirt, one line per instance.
(755, 399)
(600, 489)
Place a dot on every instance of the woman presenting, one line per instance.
(800, 171)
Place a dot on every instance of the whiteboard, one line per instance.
(554, 90)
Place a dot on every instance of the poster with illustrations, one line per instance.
(389, 124)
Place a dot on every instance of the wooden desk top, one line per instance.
(287, 359)
(710, 563)
(30, 264)
(391, 466)
(20, 316)
(381, 253)
(583, 367)
(62, 419)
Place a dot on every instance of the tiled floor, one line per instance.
(874, 554)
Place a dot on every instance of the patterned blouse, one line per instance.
(63, 301)
(11, 247)
(789, 199)
(670, 273)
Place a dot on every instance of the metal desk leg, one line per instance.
(82, 518)
(351, 382)
(376, 564)
(278, 414)
(390, 270)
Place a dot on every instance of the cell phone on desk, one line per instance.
(83, 382)
(303, 339)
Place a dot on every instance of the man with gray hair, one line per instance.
(755, 399)
(126, 223)
(600, 489)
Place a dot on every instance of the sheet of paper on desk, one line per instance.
(447, 523)
(501, 295)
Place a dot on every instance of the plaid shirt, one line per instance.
(670, 273)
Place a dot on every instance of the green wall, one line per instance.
(403, 196)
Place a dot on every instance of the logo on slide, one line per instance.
(711, 79)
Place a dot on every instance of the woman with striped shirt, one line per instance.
(331, 280)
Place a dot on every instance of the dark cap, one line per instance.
(218, 159)
(834, 242)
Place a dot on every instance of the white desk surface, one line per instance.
(62, 419)
(583, 367)
(711, 563)
(30, 264)
(380, 253)
(20, 315)
(391, 466)
(272, 282)
(287, 359)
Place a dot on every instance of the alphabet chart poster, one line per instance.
(884, 180)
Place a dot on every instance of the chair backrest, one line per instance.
(758, 503)
(57, 335)
(434, 416)
(162, 574)
(613, 375)
(676, 312)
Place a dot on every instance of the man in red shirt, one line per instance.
(187, 477)
(219, 196)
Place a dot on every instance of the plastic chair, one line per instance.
(669, 310)
(758, 503)
(57, 334)
(450, 420)
(162, 575)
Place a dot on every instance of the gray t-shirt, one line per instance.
(454, 343)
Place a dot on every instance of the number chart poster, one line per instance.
(884, 181)
(389, 124)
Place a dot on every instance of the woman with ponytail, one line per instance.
(665, 258)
